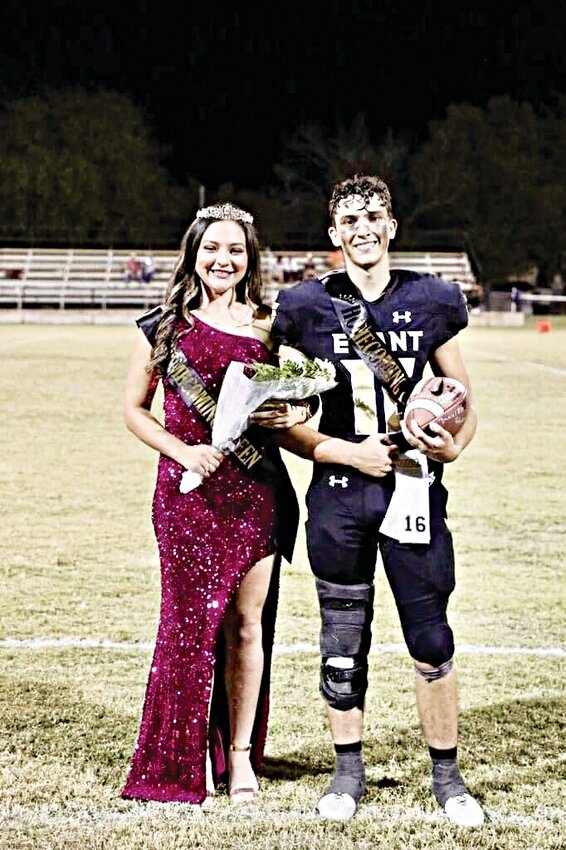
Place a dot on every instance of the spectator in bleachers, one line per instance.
(148, 269)
(133, 269)
(557, 284)
(14, 274)
(309, 271)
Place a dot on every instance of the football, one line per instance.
(440, 400)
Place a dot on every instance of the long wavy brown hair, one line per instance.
(184, 289)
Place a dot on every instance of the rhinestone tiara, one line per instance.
(222, 212)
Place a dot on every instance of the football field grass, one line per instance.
(80, 604)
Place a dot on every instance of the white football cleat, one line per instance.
(336, 807)
(463, 810)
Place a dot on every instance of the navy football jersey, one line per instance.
(415, 315)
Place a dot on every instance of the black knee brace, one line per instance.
(345, 638)
(432, 645)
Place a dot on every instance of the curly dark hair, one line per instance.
(363, 185)
(184, 288)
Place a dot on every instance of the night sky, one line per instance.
(222, 85)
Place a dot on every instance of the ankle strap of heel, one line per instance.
(235, 749)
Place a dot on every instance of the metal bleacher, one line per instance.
(33, 278)
(39, 277)
(453, 266)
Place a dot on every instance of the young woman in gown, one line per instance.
(220, 544)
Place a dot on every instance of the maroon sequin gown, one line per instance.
(208, 540)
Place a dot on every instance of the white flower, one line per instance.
(326, 366)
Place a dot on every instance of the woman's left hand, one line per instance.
(279, 414)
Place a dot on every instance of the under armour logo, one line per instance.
(343, 482)
(402, 317)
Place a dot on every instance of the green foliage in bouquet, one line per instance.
(291, 369)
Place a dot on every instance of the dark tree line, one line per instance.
(82, 168)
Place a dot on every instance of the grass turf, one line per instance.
(79, 561)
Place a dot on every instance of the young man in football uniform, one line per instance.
(381, 328)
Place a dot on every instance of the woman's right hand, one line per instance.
(202, 459)
(374, 456)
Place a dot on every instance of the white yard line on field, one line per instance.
(86, 817)
(39, 643)
(499, 358)
(554, 370)
(543, 367)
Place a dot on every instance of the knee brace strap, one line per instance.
(436, 672)
(345, 637)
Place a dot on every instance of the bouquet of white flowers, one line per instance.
(246, 386)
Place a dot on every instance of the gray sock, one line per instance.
(350, 775)
(446, 780)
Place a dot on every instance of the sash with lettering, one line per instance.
(190, 386)
(408, 516)
(373, 350)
